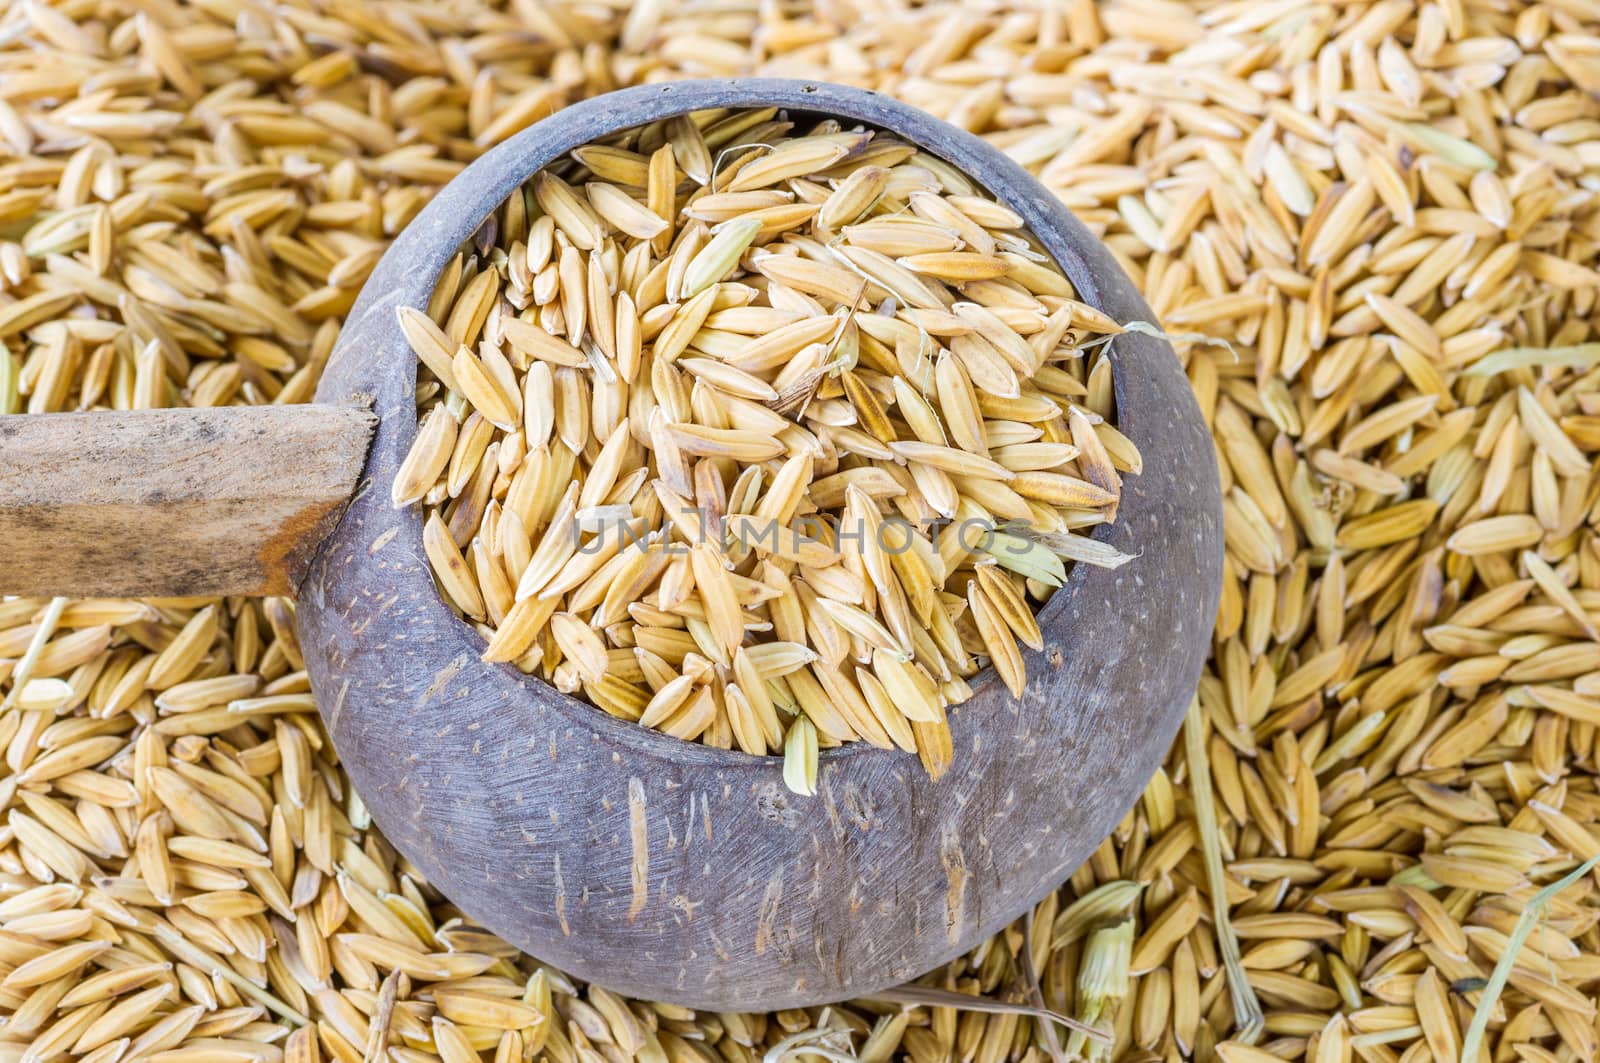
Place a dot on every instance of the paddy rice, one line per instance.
(721, 419)
(1388, 210)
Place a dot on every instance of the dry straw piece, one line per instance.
(1401, 735)
(721, 448)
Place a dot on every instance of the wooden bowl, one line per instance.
(672, 871)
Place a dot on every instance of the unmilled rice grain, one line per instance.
(729, 443)
(1179, 105)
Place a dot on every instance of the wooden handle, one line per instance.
(173, 503)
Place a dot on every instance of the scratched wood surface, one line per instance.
(173, 503)
(672, 871)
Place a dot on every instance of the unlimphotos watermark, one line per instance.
(615, 527)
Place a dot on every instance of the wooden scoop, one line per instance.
(660, 868)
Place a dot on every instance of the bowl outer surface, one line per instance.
(668, 870)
